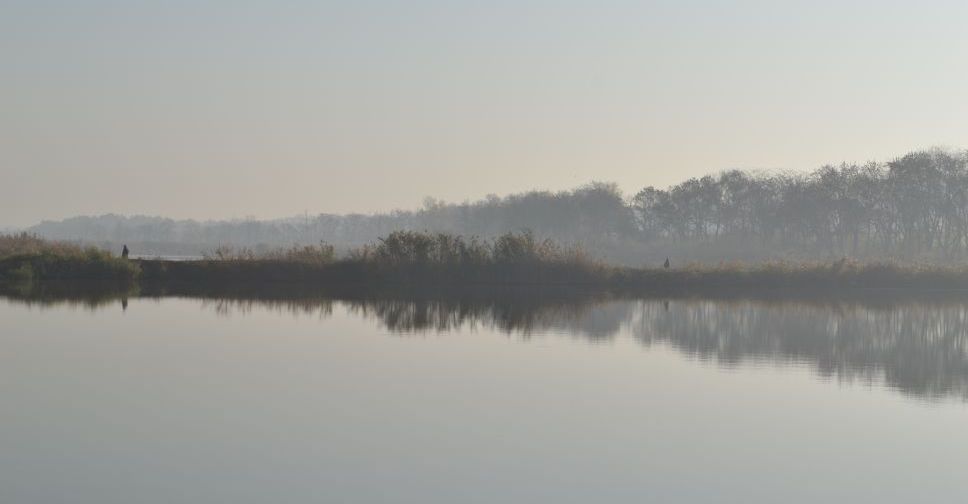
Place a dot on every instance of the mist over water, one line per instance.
(667, 252)
(242, 399)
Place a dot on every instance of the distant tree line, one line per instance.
(914, 207)
(594, 216)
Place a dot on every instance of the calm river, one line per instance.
(171, 400)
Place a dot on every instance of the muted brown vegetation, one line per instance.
(25, 243)
(408, 248)
(412, 248)
(309, 254)
(779, 275)
(438, 259)
(27, 258)
(403, 257)
(441, 259)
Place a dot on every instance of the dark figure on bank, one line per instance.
(124, 252)
(666, 264)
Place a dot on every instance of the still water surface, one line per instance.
(217, 401)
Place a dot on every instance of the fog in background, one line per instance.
(912, 208)
(223, 110)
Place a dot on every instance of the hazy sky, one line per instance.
(214, 109)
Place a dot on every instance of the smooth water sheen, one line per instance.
(208, 401)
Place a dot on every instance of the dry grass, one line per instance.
(24, 243)
(414, 258)
(305, 254)
(26, 258)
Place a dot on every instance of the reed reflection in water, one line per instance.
(917, 346)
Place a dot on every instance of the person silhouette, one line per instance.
(666, 264)
(124, 252)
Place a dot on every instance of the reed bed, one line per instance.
(440, 259)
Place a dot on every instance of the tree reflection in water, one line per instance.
(916, 344)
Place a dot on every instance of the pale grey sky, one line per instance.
(215, 109)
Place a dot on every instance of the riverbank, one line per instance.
(354, 273)
(438, 261)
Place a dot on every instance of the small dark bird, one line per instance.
(124, 252)
(666, 264)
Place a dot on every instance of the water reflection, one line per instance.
(915, 348)
(916, 344)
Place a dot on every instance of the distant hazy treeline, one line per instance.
(914, 207)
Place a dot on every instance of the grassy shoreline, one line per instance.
(229, 273)
(436, 261)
